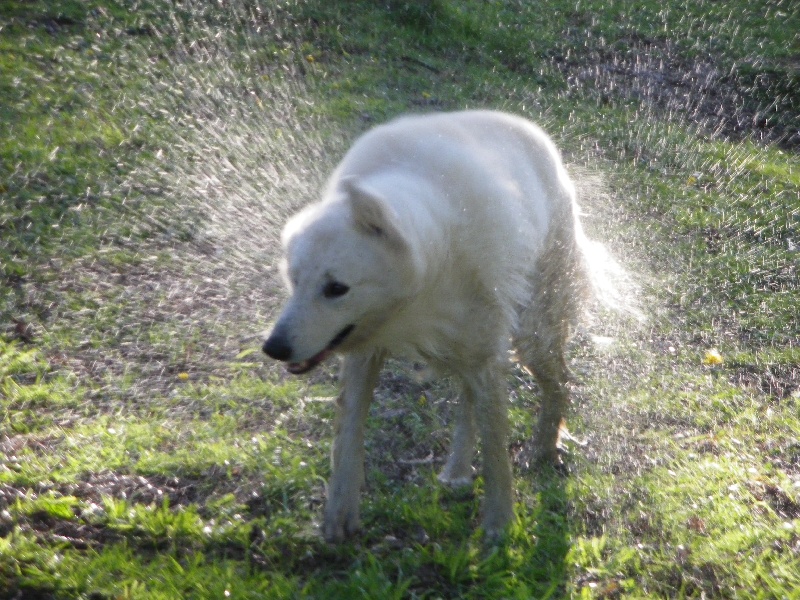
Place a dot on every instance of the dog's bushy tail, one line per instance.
(610, 285)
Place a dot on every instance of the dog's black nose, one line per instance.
(277, 347)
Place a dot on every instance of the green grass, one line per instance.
(146, 451)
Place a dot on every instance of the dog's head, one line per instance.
(347, 265)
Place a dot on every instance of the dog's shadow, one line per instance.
(535, 548)
(542, 533)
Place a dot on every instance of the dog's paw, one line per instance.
(451, 481)
(341, 524)
(533, 456)
(457, 474)
(496, 526)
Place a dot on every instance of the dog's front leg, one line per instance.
(457, 471)
(359, 377)
(488, 387)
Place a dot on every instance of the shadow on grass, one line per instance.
(543, 537)
(424, 542)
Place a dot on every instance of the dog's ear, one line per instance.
(373, 215)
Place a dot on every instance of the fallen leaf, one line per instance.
(712, 357)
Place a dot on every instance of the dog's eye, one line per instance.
(334, 289)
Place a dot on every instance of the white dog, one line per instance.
(449, 238)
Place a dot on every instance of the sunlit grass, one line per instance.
(149, 155)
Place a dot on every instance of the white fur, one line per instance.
(458, 239)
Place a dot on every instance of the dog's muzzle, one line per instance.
(278, 347)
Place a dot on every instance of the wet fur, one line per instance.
(460, 237)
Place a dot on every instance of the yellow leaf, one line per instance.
(712, 357)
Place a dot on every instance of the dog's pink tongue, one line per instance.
(298, 368)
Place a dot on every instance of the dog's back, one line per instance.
(483, 193)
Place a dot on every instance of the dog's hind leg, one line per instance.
(552, 375)
(543, 331)
(487, 386)
(458, 470)
(359, 375)
(540, 347)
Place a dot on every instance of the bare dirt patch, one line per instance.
(748, 100)
(777, 381)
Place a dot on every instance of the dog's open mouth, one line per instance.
(298, 368)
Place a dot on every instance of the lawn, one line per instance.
(151, 150)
